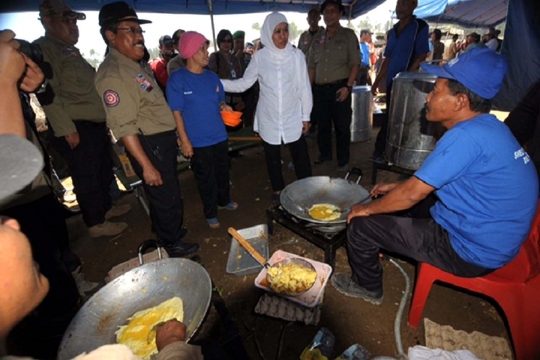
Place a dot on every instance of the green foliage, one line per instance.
(154, 53)
(94, 59)
(294, 33)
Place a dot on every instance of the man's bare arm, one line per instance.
(416, 64)
(403, 196)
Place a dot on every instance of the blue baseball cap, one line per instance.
(480, 70)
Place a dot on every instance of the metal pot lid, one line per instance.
(415, 75)
(363, 88)
(297, 198)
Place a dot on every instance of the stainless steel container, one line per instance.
(411, 138)
(362, 114)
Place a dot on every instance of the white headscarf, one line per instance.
(267, 30)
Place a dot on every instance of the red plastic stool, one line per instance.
(515, 287)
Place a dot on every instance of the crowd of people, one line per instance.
(451, 213)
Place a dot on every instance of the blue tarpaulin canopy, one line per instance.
(521, 38)
(354, 8)
(468, 13)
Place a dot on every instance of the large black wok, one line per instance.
(298, 197)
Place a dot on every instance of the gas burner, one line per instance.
(328, 238)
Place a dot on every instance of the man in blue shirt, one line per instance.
(363, 74)
(407, 47)
(462, 210)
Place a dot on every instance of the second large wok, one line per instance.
(141, 288)
(298, 197)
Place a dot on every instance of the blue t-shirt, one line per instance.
(197, 97)
(487, 188)
(405, 48)
(364, 48)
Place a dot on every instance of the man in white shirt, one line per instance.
(492, 42)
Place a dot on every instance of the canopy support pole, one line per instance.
(211, 10)
(351, 11)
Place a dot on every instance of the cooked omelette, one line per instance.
(324, 212)
(135, 334)
(291, 278)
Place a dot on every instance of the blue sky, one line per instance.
(27, 26)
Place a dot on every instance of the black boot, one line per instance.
(181, 249)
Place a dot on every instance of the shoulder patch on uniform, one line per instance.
(111, 98)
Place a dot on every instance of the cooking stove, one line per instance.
(328, 238)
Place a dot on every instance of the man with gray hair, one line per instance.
(77, 119)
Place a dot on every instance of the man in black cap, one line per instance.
(333, 63)
(77, 120)
(306, 39)
(138, 114)
(159, 65)
(176, 62)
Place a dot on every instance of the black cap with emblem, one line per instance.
(49, 8)
(338, 3)
(116, 12)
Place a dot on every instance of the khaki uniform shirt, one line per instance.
(132, 97)
(75, 97)
(306, 39)
(175, 63)
(333, 59)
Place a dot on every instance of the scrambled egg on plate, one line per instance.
(324, 212)
(135, 334)
(291, 279)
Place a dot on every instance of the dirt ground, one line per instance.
(351, 320)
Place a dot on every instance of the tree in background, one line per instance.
(94, 59)
(154, 53)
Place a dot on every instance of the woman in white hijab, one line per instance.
(285, 100)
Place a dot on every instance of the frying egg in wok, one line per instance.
(139, 333)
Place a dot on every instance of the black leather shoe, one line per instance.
(321, 159)
(183, 232)
(181, 249)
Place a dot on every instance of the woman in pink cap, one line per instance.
(196, 97)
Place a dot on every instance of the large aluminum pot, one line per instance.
(362, 114)
(410, 137)
(297, 198)
(141, 288)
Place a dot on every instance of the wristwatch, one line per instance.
(42, 88)
(349, 88)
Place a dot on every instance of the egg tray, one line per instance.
(281, 308)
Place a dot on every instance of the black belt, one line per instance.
(333, 83)
(90, 123)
